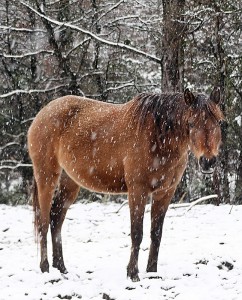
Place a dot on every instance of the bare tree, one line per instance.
(174, 29)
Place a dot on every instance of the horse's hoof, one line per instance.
(135, 278)
(60, 267)
(44, 266)
(63, 270)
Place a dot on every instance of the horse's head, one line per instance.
(204, 127)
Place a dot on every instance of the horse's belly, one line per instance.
(101, 184)
(97, 178)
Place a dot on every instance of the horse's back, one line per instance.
(65, 112)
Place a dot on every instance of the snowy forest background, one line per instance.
(112, 50)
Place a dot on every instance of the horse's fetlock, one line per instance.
(44, 266)
(155, 240)
(59, 265)
(132, 273)
(152, 266)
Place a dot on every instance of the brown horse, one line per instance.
(139, 148)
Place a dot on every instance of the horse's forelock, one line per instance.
(212, 109)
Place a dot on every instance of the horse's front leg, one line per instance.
(160, 203)
(137, 201)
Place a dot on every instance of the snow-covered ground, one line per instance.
(200, 256)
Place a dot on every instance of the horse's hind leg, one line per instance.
(66, 195)
(46, 182)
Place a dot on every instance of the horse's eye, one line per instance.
(223, 123)
(191, 125)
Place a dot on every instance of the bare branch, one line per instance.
(16, 92)
(94, 36)
(110, 9)
(19, 165)
(28, 120)
(26, 54)
(21, 29)
(77, 46)
(205, 198)
(131, 83)
(8, 145)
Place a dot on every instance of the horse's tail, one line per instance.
(36, 210)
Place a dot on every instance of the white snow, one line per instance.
(200, 256)
(238, 120)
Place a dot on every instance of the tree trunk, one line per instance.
(173, 61)
(238, 182)
(97, 46)
(172, 45)
(221, 184)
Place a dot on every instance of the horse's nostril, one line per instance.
(212, 161)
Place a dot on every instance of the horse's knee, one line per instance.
(136, 237)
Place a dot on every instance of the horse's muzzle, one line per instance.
(207, 165)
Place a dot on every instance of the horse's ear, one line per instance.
(189, 97)
(215, 95)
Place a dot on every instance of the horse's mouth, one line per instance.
(207, 165)
(207, 171)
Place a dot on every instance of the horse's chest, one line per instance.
(166, 173)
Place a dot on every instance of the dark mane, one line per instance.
(170, 112)
(165, 108)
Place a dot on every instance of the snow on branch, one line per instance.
(110, 9)
(193, 203)
(27, 120)
(95, 37)
(16, 92)
(26, 54)
(77, 46)
(8, 145)
(21, 29)
(120, 86)
(19, 165)
(12, 165)
(205, 198)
